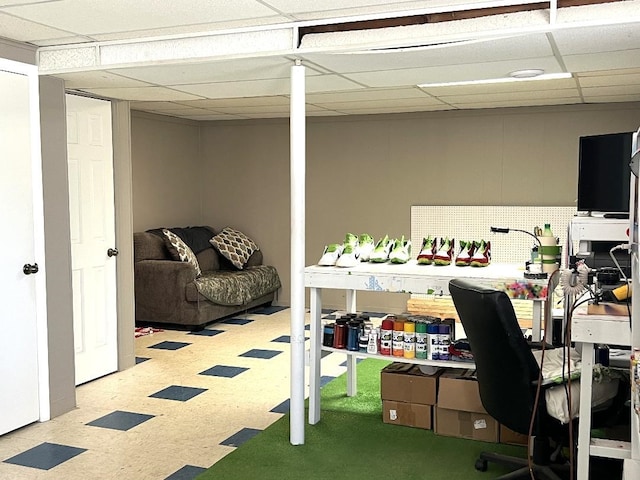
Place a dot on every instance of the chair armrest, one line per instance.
(538, 345)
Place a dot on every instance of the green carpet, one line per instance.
(351, 441)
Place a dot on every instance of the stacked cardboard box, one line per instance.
(408, 395)
(459, 411)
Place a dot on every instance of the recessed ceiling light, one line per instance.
(528, 73)
(546, 76)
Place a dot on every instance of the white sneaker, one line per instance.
(365, 247)
(348, 258)
(401, 252)
(380, 254)
(330, 255)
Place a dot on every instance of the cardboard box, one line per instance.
(459, 411)
(471, 425)
(512, 438)
(407, 414)
(404, 382)
(458, 390)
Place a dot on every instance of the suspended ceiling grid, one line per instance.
(215, 60)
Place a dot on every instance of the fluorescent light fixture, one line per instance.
(547, 76)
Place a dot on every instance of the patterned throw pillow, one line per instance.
(181, 251)
(235, 246)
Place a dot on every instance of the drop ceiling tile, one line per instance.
(142, 94)
(612, 90)
(159, 106)
(368, 94)
(393, 109)
(487, 88)
(612, 98)
(98, 79)
(426, 101)
(492, 50)
(605, 80)
(213, 117)
(328, 83)
(518, 103)
(452, 73)
(23, 30)
(210, 72)
(603, 61)
(591, 39)
(511, 96)
(240, 102)
(598, 73)
(97, 16)
(251, 88)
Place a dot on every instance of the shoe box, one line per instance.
(408, 395)
(459, 411)
(512, 438)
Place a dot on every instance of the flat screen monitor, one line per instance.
(604, 173)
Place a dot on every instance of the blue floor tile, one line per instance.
(240, 437)
(307, 327)
(284, 407)
(176, 392)
(375, 314)
(269, 310)
(324, 353)
(169, 345)
(285, 339)
(358, 360)
(237, 321)
(141, 359)
(258, 353)
(324, 379)
(329, 317)
(206, 333)
(120, 420)
(188, 472)
(224, 371)
(45, 456)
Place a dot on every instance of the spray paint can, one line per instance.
(409, 340)
(397, 344)
(421, 340)
(386, 336)
(433, 342)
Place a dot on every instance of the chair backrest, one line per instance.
(505, 365)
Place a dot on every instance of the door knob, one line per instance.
(112, 252)
(28, 269)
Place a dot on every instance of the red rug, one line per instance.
(142, 331)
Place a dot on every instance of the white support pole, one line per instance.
(298, 146)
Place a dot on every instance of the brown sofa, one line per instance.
(169, 291)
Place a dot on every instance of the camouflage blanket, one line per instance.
(239, 286)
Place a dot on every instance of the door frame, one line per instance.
(31, 72)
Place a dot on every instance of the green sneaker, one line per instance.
(428, 250)
(380, 254)
(330, 255)
(401, 251)
(365, 247)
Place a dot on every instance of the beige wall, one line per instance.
(165, 171)
(364, 173)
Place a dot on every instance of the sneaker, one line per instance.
(482, 255)
(380, 254)
(401, 251)
(348, 258)
(445, 252)
(330, 255)
(365, 247)
(467, 249)
(428, 250)
(350, 239)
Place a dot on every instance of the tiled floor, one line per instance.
(190, 400)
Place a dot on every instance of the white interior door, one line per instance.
(19, 394)
(93, 249)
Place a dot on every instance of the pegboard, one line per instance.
(473, 222)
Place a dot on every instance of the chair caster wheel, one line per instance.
(481, 465)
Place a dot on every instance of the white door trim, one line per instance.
(31, 71)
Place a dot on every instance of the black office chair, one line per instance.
(507, 375)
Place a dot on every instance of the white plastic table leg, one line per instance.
(584, 425)
(315, 355)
